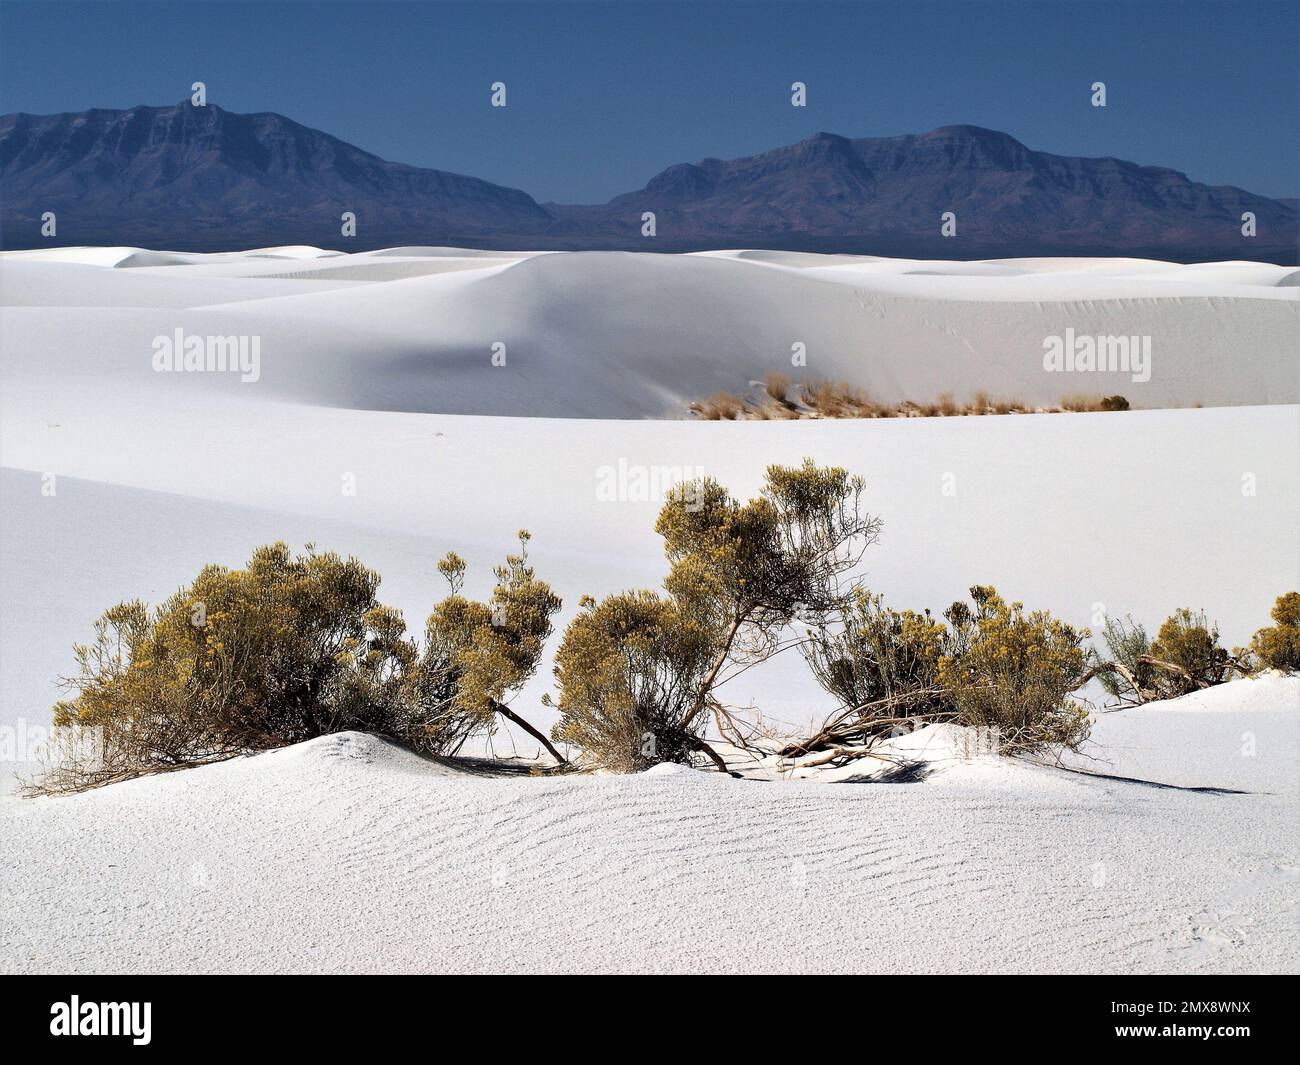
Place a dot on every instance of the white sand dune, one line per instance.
(78, 285)
(1120, 280)
(620, 335)
(348, 854)
(134, 257)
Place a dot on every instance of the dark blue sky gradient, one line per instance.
(604, 95)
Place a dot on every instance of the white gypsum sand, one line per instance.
(348, 854)
(379, 366)
(621, 335)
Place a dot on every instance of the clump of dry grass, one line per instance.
(780, 398)
(724, 406)
(777, 387)
(1081, 404)
(836, 399)
(1094, 403)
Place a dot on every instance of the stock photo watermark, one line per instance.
(1099, 353)
(179, 352)
(627, 482)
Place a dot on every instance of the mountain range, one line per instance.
(203, 178)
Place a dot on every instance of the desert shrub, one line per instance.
(1114, 403)
(629, 671)
(739, 574)
(1278, 647)
(1184, 657)
(758, 565)
(286, 649)
(477, 654)
(1013, 673)
(1134, 679)
(883, 661)
(1187, 656)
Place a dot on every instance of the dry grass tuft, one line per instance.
(777, 387)
(1094, 403)
(1081, 404)
(836, 399)
(724, 406)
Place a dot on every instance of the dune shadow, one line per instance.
(1161, 785)
(901, 773)
(477, 766)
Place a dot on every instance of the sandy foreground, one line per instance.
(1170, 847)
(1176, 853)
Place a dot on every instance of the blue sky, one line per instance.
(604, 95)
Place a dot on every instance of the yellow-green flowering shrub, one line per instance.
(1013, 672)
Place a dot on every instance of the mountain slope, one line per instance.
(198, 173)
(897, 189)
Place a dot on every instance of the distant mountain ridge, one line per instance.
(206, 178)
(996, 187)
(206, 173)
